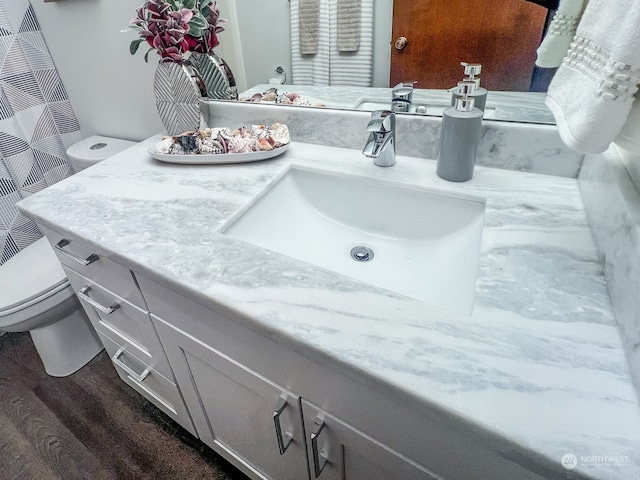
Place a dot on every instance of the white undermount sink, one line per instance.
(416, 242)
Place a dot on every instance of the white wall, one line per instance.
(265, 34)
(112, 91)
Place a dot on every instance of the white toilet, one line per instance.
(94, 149)
(36, 296)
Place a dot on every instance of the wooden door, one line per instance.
(501, 35)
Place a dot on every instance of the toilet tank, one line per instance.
(94, 149)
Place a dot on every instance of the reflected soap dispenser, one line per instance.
(459, 136)
(471, 70)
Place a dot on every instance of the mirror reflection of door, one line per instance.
(502, 35)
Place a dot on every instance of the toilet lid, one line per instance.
(33, 273)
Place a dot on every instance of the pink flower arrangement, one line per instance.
(175, 27)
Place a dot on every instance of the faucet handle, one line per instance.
(382, 121)
(404, 88)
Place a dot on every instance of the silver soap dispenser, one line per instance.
(471, 70)
(459, 136)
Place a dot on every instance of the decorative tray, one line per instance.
(217, 158)
(222, 145)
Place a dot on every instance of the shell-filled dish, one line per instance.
(223, 145)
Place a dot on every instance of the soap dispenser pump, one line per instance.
(471, 70)
(459, 136)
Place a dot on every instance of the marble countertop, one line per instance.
(526, 107)
(539, 362)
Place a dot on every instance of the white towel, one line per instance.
(629, 137)
(348, 19)
(593, 91)
(560, 34)
(309, 24)
(353, 68)
(310, 69)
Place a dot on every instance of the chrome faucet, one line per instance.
(381, 145)
(402, 96)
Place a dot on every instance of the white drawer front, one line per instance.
(107, 273)
(126, 324)
(149, 383)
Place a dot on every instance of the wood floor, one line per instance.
(89, 425)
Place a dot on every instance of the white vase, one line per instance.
(178, 89)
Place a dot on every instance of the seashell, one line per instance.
(164, 145)
(188, 141)
(239, 144)
(177, 149)
(256, 97)
(270, 90)
(280, 134)
(265, 145)
(210, 145)
(269, 97)
(284, 99)
(204, 133)
(259, 131)
(293, 96)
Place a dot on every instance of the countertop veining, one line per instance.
(539, 362)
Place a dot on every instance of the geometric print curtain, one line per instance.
(37, 123)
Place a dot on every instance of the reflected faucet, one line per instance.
(402, 96)
(381, 145)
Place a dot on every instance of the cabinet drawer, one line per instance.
(123, 322)
(81, 258)
(149, 383)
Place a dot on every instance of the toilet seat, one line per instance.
(33, 283)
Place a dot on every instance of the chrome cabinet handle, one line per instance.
(82, 261)
(136, 376)
(106, 310)
(319, 460)
(282, 446)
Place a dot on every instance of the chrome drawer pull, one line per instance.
(106, 310)
(82, 261)
(319, 460)
(136, 376)
(282, 446)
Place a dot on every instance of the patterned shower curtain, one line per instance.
(37, 123)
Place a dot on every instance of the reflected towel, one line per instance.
(348, 25)
(310, 69)
(309, 23)
(562, 29)
(353, 68)
(592, 94)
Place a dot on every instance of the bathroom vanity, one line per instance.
(291, 370)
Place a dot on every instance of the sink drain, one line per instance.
(360, 253)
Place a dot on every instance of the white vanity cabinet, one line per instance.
(261, 400)
(110, 296)
(337, 451)
(258, 420)
(245, 417)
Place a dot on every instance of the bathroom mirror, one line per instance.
(258, 41)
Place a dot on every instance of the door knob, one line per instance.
(401, 42)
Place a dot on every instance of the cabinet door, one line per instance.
(338, 451)
(248, 419)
